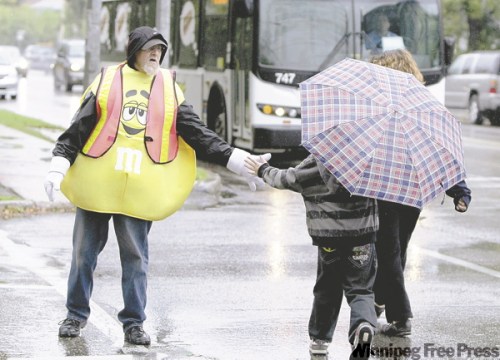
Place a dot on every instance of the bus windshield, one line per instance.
(312, 35)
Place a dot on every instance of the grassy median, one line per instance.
(28, 125)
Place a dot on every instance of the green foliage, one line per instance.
(8, 2)
(475, 23)
(37, 26)
(75, 19)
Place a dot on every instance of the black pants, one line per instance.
(350, 271)
(397, 223)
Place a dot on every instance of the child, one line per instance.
(397, 223)
(343, 227)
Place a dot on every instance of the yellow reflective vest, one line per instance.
(133, 162)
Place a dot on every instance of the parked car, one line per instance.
(18, 60)
(9, 77)
(40, 57)
(69, 64)
(473, 83)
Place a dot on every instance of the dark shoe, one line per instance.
(379, 309)
(363, 337)
(397, 328)
(71, 327)
(137, 336)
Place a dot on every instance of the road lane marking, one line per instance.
(25, 257)
(459, 262)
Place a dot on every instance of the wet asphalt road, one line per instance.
(235, 281)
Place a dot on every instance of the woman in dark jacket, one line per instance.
(397, 223)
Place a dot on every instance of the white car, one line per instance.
(473, 83)
(19, 61)
(9, 77)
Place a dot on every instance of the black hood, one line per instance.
(136, 40)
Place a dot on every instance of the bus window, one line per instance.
(380, 32)
(411, 24)
(187, 27)
(117, 19)
(215, 34)
(242, 61)
(242, 44)
(299, 36)
(420, 30)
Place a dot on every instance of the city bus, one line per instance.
(239, 62)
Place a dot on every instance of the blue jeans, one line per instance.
(350, 271)
(90, 235)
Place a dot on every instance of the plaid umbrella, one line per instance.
(381, 133)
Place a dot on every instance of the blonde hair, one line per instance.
(399, 59)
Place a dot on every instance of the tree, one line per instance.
(75, 19)
(35, 25)
(474, 23)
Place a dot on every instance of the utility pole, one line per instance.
(93, 43)
(163, 22)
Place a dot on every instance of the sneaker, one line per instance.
(318, 347)
(136, 335)
(379, 309)
(363, 337)
(71, 327)
(397, 328)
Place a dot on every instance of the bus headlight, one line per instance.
(280, 111)
(266, 109)
(76, 67)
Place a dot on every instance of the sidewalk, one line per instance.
(25, 161)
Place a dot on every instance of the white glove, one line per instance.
(236, 164)
(58, 168)
(253, 163)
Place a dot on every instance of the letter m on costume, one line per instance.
(128, 160)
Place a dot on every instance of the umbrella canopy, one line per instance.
(381, 133)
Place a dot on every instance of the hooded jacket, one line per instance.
(138, 38)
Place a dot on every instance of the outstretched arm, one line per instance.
(210, 147)
(305, 178)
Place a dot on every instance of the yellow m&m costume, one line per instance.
(133, 163)
(128, 156)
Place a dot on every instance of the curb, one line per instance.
(18, 208)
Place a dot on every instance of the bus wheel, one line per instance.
(217, 114)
